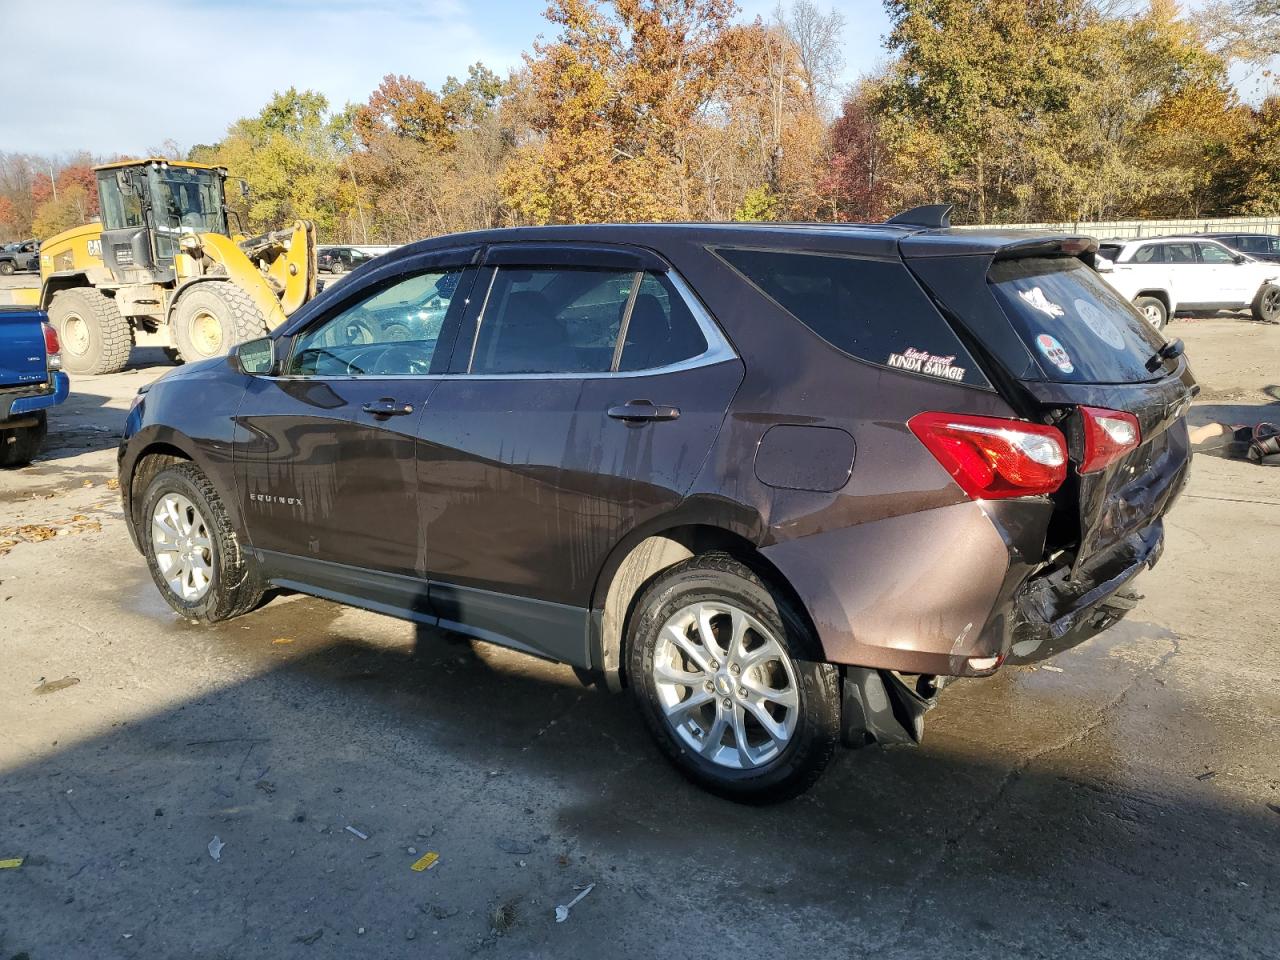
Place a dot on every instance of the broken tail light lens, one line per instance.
(1108, 436)
(52, 347)
(992, 458)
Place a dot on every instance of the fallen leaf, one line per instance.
(283, 640)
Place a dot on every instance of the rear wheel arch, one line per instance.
(634, 566)
(1161, 295)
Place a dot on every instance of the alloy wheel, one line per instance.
(726, 686)
(182, 546)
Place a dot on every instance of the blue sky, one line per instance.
(83, 54)
(203, 63)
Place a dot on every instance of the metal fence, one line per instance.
(1135, 229)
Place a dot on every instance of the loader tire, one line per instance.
(211, 318)
(95, 336)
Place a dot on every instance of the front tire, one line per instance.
(19, 447)
(194, 554)
(1153, 309)
(728, 678)
(95, 336)
(1266, 304)
(212, 317)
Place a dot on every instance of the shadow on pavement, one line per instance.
(528, 785)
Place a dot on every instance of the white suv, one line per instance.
(1169, 275)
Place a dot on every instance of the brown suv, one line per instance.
(781, 481)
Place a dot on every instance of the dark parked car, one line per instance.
(782, 482)
(341, 259)
(19, 256)
(1260, 246)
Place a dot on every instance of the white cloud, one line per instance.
(122, 76)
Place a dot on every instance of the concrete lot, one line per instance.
(1123, 802)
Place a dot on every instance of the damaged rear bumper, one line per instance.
(1048, 613)
(1056, 611)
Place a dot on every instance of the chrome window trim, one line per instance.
(718, 351)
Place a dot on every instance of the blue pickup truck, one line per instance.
(31, 381)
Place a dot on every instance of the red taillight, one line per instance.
(1108, 436)
(992, 458)
(52, 348)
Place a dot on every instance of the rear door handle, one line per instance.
(635, 411)
(387, 407)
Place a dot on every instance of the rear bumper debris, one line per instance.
(1054, 611)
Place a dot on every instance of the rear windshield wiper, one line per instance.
(1170, 351)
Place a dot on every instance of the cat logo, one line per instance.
(95, 248)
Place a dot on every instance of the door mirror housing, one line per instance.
(1240, 258)
(1103, 265)
(255, 358)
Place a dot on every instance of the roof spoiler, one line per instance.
(934, 216)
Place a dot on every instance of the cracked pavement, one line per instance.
(1122, 801)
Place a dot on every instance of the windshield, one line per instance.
(1076, 326)
(187, 200)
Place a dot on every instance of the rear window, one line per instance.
(1076, 326)
(871, 309)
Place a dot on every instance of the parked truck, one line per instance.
(31, 381)
(19, 257)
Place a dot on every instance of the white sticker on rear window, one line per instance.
(922, 361)
(1035, 298)
(1055, 353)
(1103, 327)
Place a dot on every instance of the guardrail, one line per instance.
(1136, 229)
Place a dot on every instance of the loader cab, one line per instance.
(147, 206)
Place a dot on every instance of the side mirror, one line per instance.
(255, 357)
(1240, 258)
(1103, 265)
(244, 189)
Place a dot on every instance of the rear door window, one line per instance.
(573, 320)
(1076, 326)
(870, 309)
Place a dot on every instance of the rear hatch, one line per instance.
(22, 353)
(1056, 339)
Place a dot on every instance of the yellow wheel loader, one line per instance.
(163, 269)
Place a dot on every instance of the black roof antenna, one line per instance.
(935, 215)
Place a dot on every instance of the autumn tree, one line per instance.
(288, 156)
(612, 108)
(429, 162)
(860, 159)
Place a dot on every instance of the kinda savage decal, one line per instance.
(922, 361)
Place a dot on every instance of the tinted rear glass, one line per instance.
(871, 309)
(1077, 327)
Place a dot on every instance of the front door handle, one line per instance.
(387, 407)
(635, 411)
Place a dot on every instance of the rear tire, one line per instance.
(19, 447)
(771, 675)
(1153, 309)
(212, 317)
(1266, 304)
(7, 268)
(194, 554)
(95, 336)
